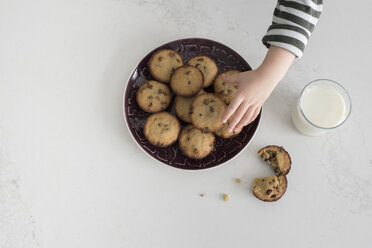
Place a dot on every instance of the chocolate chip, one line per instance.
(204, 67)
(195, 150)
(211, 109)
(164, 93)
(223, 83)
(167, 129)
(171, 54)
(150, 104)
(206, 102)
(149, 86)
(160, 58)
(268, 192)
(188, 82)
(263, 180)
(150, 97)
(163, 103)
(273, 180)
(187, 73)
(272, 196)
(159, 124)
(197, 64)
(200, 59)
(210, 145)
(160, 91)
(235, 86)
(179, 61)
(229, 91)
(220, 92)
(200, 114)
(206, 129)
(188, 138)
(190, 113)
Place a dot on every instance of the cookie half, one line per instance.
(182, 106)
(207, 66)
(194, 143)
(223, 133)
(163, 63)
(206, 112)
(153, 96)
(270, 188)
(161, 129)
(186, 81)
(277, 157)
(226, 91)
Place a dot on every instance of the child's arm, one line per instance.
(287, 37)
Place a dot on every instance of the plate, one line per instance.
(225, 149)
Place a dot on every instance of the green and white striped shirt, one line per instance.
(293, 23)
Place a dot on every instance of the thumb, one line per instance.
(233, 78)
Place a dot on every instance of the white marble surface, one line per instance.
(71, 176)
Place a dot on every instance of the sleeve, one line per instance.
(293, 23)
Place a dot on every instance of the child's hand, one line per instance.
(253, 90)
(254, 87)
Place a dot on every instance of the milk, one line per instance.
(321, 107)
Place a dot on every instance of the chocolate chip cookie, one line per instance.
(153, 96)
(182, 106)
(206, 112)
(163, 63)
(277, 157)
(161, 129)
(270, 188)
(194, 143)
(223, 133)
(207, 66)
(186, 81)
(225, 90)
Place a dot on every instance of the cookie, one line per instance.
(270, 188)
(153, 96)
(194, 143)
(182, 106)
(206, 112)
(186, 81)
(207, 66)
(226, 91)
(277, 157)
(223, 133)
(163, 63)
(161, 129)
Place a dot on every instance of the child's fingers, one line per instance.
(232, 107)
(233, 78)
(246, 117)
(255, 114)
(238, 115)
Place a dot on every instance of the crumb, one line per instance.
(202, 194)
(225, 197)
(237, 180)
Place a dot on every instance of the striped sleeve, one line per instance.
(293, 23)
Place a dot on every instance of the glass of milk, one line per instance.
(322, 106)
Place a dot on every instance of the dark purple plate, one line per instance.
(225, 149)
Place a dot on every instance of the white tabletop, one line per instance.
(71, 175)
